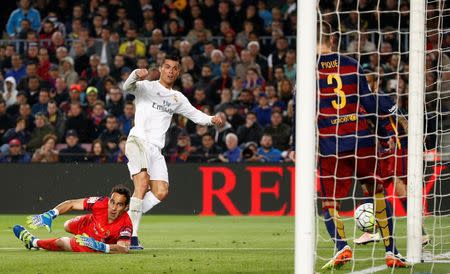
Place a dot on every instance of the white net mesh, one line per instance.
(376, 34)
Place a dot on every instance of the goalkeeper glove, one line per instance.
(42, 220)
(85, 240)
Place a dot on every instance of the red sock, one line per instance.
(49, 244)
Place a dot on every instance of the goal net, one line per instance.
(377, 35)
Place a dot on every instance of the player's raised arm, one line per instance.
(131, 84)
(45, 219)
(198, 117)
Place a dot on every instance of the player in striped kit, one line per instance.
(347, 147)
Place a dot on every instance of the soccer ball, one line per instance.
(364, 217)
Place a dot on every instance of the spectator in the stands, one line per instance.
(290, 67)
(6, 120)
(74, 97)
(205, 77)
(73, 153)
(208, 151)
(285, 90)
(44, 65)
(77, 121)
(97, 153)
(91, 71)
(56, 119)
(279, 131)
(216, 61)
(254, 80)
(68, 71)
(198, 30)
(80, 57)
(187, 85)
(181, 153)
(39, 132)
(250, 153)
(233, 117)
(111, 134)
(115, 103)
(258, 58)
(274, 100)
(225, 80)
(18, 132)
(277, 57)
(105, 48)
(263, 110)
(47, 152)
(222, 131)
(233, 152)
(9, 91)
(97, 116)
(13, 27)
(196, 137)
(17, 69)
(16, 154)
(132, 46)
(60, 93)
(41, 104)
(251, 131)
(199, 98)
(126, 120)
(247, 61)
(25, 112)
(119, 156)
(225, 99)
(242, 37)
(267, 151)
(31, 71)
(157, 39)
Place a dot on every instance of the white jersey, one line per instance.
(155, 105)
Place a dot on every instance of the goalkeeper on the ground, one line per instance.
(107, 229)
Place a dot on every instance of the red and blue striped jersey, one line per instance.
(343, 90)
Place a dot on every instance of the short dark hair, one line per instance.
(122, 190)
(172, 57)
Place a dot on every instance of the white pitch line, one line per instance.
(371, 270)
(193, 248)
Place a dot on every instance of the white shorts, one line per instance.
(143, 155)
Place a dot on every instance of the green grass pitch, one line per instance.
(195, 244)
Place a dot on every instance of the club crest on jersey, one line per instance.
(92, 200)
(175, 98)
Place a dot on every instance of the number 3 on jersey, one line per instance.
(342, 100)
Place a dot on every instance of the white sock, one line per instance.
(135, 213)
(149, 201)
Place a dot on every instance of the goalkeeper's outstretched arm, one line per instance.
(45, 219)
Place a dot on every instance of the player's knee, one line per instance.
(161, 190)
(67, 226)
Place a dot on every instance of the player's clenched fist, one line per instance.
(142, 74)
(217, 121)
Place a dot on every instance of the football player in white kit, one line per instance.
(155, 103)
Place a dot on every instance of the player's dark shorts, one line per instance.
(78, 226)
(337, 172)
(392, 163)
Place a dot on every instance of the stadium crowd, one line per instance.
(63, 64)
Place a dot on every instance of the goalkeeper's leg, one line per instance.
(30, 241)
